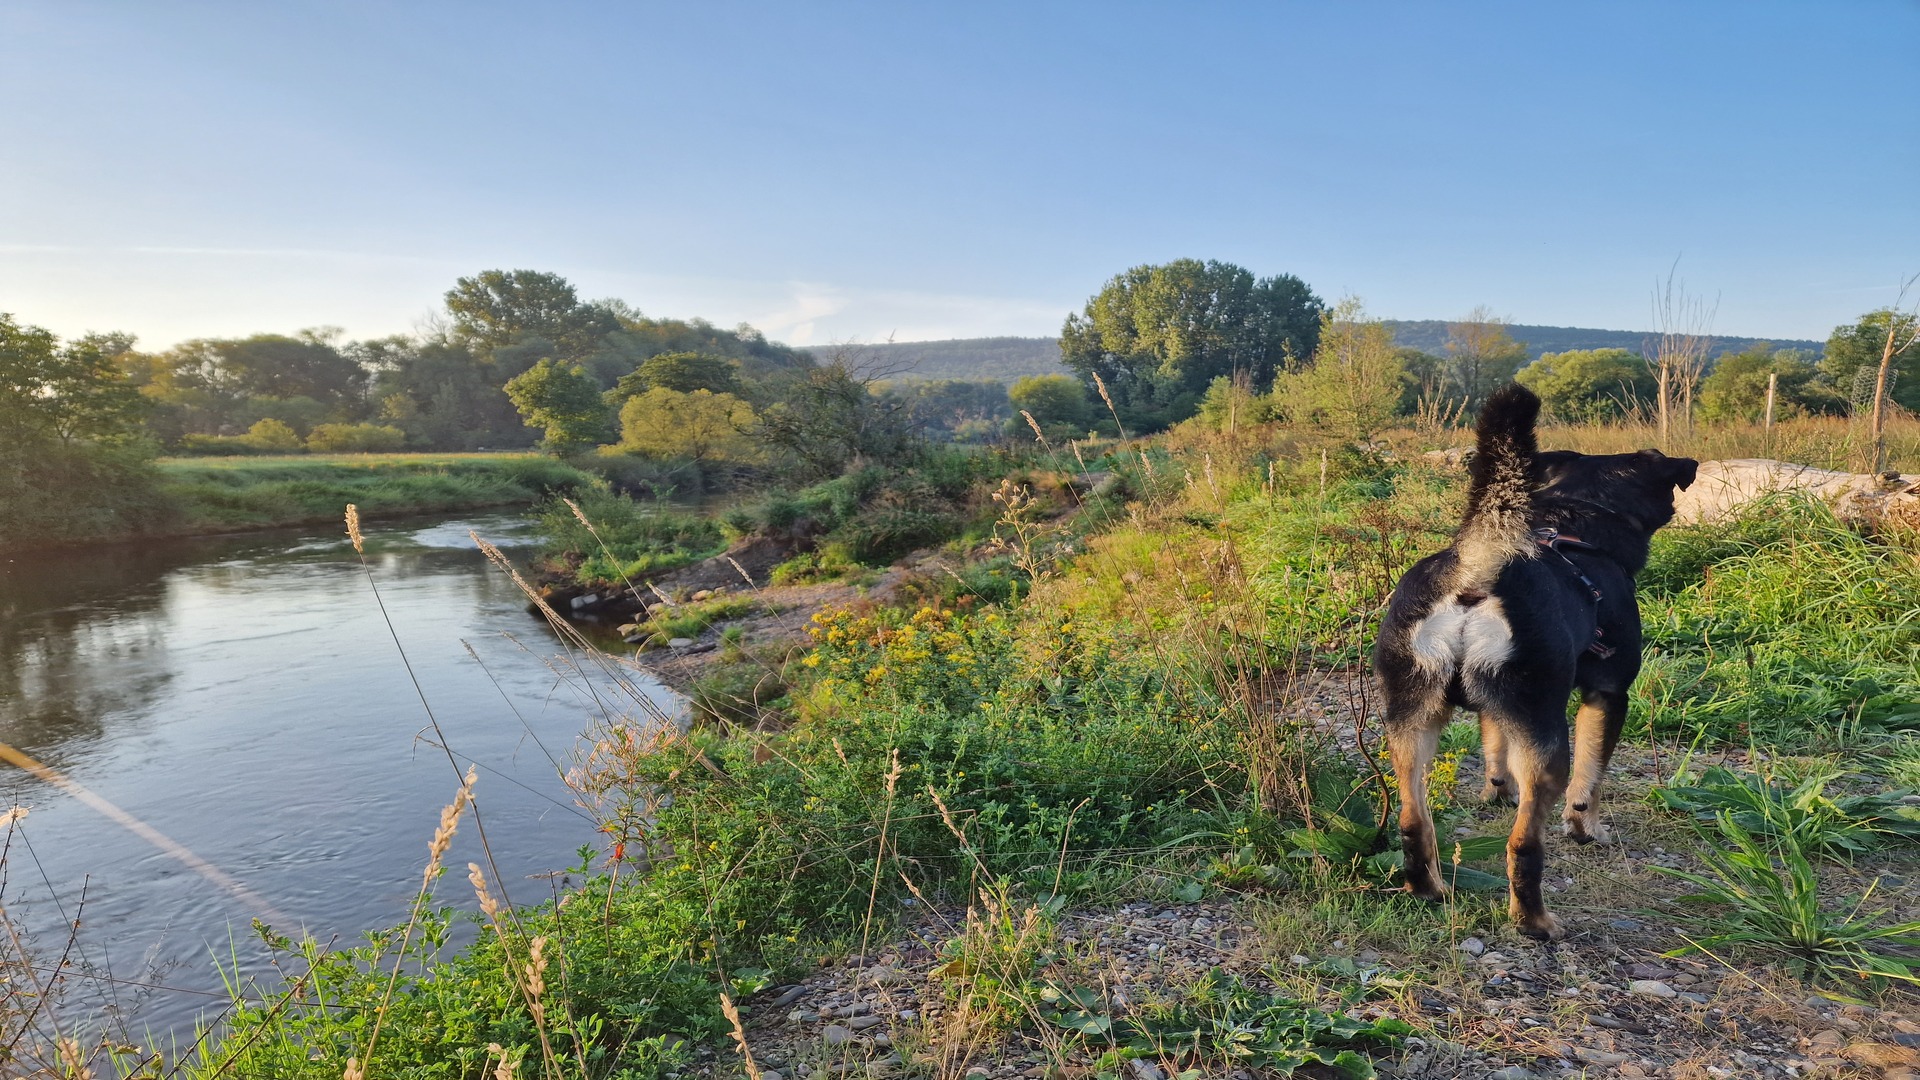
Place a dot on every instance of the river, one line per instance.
(245, 698)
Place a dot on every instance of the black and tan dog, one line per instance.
(1533, 599)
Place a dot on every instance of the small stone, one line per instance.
(703, 594)
(1624, 924)
(837, 1035)
(1513, 1072)
(680, 643)
(1367, 956)
(587, 600)
(862, 1023)
(1688, 995)
(908, 1014)
(1826, 1039)
(1651, 988)
(788, 996)
(1299, 960)
(1593, 1056)
(883, 975)
(770, 1074)
(1473, 946)
(802, 1016)
(1632, 1070)
(886, 1066)
(1145, 1070)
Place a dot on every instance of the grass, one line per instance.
(221, 494)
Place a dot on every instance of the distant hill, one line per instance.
(1001, 359)
(1004, 359)
(1430, 335)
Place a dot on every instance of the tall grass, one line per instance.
(214, 494)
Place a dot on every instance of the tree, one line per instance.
(1054, 402)
(1679, 350)
(496, 308)
(563, 401)
(681, 371)
(697, 424)
(1856, 351)
(65, 393)
(1156, 336)
(1353, 385)
(1737, 388)
(832, 420)
(1481, 355)
(1589, 386)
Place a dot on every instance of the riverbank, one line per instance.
(205, 496)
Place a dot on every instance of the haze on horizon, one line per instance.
(862, 172)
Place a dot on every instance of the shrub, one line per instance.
(355, 439)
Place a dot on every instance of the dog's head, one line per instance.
(1639, 486)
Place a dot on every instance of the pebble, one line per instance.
(680, 643)
(1624, 924)
(1145, 1070)
(862, 1023)
(1513, 1072)
(1473, 946)
(788, 996)
(1593, 1056)
(1651, 988)
(837, 1035)
(1632, 1070)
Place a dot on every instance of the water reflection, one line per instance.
(246, 697)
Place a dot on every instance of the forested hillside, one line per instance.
(1005, 359)
(1430, 335)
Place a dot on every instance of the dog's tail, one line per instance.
(1496, 529)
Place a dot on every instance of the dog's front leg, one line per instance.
(1493, 752)
(1596, 730)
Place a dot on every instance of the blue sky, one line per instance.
(835, 172)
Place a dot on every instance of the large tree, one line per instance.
(496, 308)
(1156, 336)
(697, 424)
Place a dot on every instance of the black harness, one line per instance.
(1559, 543)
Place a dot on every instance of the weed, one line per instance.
(1768, 898)
(1798, 813)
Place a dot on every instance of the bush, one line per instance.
(632, 538)
(355, 439)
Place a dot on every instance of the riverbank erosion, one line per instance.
(181, 497)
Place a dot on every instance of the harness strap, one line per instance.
(1557, 542)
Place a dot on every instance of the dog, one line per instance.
(1533, 599)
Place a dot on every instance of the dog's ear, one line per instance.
(1681, 471)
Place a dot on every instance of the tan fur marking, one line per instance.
(1589, 747)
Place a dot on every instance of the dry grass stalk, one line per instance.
(731, 561)
(739, 1034)
(1100, 385)
(1035, 425)
(507, 1066)
(353, 529)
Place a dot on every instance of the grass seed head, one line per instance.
(353, 529)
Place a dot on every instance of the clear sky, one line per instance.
(833, 172)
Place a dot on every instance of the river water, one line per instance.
(245, 698)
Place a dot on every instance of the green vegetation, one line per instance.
(216, 494)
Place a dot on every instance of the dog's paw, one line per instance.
(1496, 792)
(1542, 927)
(1588, 829)
(1433, 892)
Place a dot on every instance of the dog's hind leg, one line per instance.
(1596, 731)
(1539, 760)
(1413, 734)
(1493, 750)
